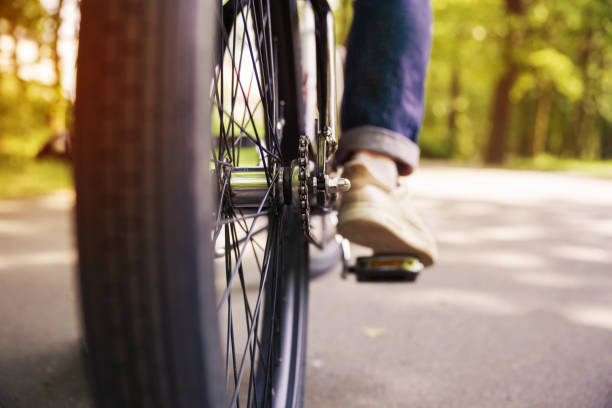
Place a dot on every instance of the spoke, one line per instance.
(242, 122)
(257, 105)
(256, 215)
(271, 126)
(245, 228)
(237, 125)
(258, 139)
(253, 343)
(239, 260)
(239, 84)
(235, 88)
(218, 221)
(271, 330)
(219, 103)
(261, 87)
(251, 331)
(270, 70)
(230, 340)
(233, 98)
(253, 240)
(254, 140)
(247, 310)
(250, 88)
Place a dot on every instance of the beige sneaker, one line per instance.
(382, 217)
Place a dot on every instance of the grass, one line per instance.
(22, 176)
(26, 177)
(249, 157)
(545, 162)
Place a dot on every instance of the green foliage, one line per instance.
(25, 14)
(549, 65)
(25, 125)
(30, 112)
(561, 98)
(27, 116)
(24, 177)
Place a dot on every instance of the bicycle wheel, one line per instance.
(263, 301)
(159, 332)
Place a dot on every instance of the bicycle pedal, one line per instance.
(386, 268)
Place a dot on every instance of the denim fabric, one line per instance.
(386, 63)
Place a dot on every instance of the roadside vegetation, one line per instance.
(525, 84)
(34, 101)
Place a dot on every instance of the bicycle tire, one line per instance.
(143, 184)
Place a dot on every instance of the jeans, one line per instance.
(386, 63)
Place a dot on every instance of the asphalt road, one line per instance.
(518, 312)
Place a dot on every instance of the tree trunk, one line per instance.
(496, 150)
(542, 120)
(575, 137)
(605, 138)
(57, 21)
(455, 89)
(525, 142)
(497, 147)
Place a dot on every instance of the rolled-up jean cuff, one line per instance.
(404, 151)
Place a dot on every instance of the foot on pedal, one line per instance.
(386, 268)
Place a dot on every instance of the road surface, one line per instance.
(518, 312)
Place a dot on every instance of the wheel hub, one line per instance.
(294, 185)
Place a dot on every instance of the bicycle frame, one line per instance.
(249, 185)
(327, 141)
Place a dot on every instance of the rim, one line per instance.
(259, 304)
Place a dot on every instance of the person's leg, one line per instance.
(382, 111)
(386, 63)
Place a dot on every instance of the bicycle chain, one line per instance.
(304, 177)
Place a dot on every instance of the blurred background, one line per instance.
(37, 75)
(518, 312)
(524, 84)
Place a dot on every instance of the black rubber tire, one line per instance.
(292, 322)
(143, 237)
(143, 206)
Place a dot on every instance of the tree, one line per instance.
(21, 18)
(497, 145)
(56, 18)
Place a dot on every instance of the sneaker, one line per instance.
(377, 215)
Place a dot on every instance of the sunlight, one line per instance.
(508, 187)
(60, 200)
(512, 233)
(34, 68)
(458, 238)
(471, 301)
(548, 280)
(603, 227)
(497, 259)
(596, 316)
(10, 227)
(583, 253)
(41, 258)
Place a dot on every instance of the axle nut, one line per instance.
(335, 185)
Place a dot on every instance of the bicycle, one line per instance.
(175, 146)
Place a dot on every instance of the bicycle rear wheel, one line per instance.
(166, 325)
(256, 113)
